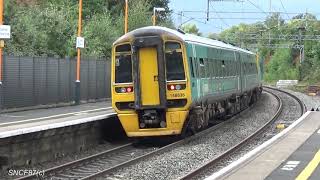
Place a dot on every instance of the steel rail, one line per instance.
(204, 166)
(162, 150)
(302, 105)
(152, 153)
(76, 162)
(156, 152)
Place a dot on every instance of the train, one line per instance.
(165, 82)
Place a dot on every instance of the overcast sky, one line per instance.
(221, 18)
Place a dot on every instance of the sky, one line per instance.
(243, 11)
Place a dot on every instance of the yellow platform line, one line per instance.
(308, 170)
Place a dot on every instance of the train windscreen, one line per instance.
(174, 62)
(123, 69)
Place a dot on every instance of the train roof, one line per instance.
(185, 37)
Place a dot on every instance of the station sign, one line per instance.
(80, 42)
(5, 32)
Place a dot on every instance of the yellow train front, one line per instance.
(150, 87)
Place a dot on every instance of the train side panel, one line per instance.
(214, 71)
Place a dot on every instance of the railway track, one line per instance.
(105, 163)
(192, 174)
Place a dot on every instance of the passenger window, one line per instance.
(201, 62)
(207, 68)
(123, 69)
(202, 71)
(195, 63)
(211, 68)
(218, 68)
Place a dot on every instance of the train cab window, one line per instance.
(123, 48)
(172, 46)
(174, 66)
(123, 69)
(123, 64)
(174, 61)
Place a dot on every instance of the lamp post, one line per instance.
(156, 9)
(1, 22)
(126, 17)
(80, 41)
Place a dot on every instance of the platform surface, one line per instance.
(284, 157)
(17, 123)
(299, 164)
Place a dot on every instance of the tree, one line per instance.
(40, 31)
(49, 27)
(191, 29)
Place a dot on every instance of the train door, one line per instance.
(239, 73)
(149, 76)
(197, 73)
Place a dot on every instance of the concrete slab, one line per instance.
(17, 123)
(44, 113)
(301, 158)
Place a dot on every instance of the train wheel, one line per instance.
(197, 119)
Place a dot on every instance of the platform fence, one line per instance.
(48, 81)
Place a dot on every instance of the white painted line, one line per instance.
(13, 116)
(81, 113)
(48, 117)
(290, 165)
(52, 126)
(255, 151)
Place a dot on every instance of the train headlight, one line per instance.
(123, 90)
(128, 89)
(172, 87)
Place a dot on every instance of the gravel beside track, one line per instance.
(309, 101)
(291, 112)
(175, 163)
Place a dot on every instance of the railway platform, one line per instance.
(294, 153)
(23, 122)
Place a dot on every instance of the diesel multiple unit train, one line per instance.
(166, 82)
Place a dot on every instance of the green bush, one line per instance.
(281, 66)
